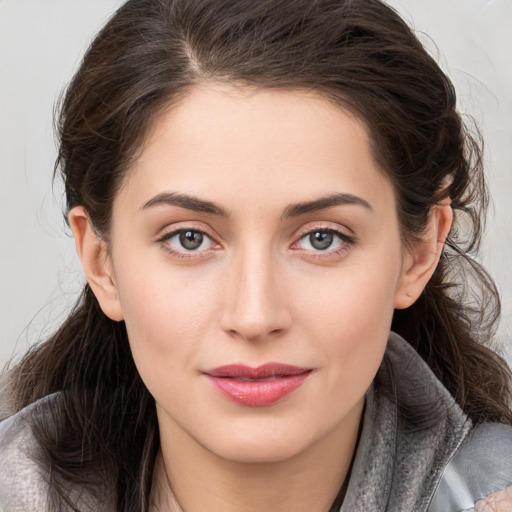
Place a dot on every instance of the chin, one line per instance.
(262, 446)
(267, 454)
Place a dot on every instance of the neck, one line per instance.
(307, 482)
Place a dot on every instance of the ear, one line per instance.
(421, 260)
(96, 262)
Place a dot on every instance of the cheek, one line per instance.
(350, 316)
(355, 300)
(166, 322)
(358, 325)
(166, 313)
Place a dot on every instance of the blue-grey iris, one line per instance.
(191, 240)
(321, 240)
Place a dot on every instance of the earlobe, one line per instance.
(96, 262)
(421, 261)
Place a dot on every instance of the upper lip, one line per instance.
(261, 372)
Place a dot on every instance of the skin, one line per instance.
(500, 501)
(256, 291)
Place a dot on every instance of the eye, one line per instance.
(320, 240)
(187, 241)
(324, 240)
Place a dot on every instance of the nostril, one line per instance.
(255, 335)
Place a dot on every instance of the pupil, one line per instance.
(191, 239)
(321, 240)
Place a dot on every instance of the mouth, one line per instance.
(257, 387)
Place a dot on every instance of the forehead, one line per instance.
(222, 142)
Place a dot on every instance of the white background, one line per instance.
(41, 43)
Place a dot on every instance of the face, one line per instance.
(256, 232)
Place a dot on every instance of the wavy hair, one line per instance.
(359, 54)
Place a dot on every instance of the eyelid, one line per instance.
(171, 231)
(346, 240)
(311, 228)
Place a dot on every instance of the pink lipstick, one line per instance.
(257, 387)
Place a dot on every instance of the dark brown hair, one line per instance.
(359, 54)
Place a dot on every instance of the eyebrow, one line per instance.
(294, 210)
(323, 203)
(185, 201)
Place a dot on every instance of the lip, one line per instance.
(257, 387)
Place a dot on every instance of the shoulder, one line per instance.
(479, 476)
(459, 466)
(470, 465)
(23, 484)
(411, 428)
(25, 480)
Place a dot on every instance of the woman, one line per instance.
(259, 193)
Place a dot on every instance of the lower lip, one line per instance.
(257, 393)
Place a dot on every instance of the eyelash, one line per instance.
(346, 242)
(184, 254)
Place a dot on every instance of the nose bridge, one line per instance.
(255, 305)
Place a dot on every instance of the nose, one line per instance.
(255, 306)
